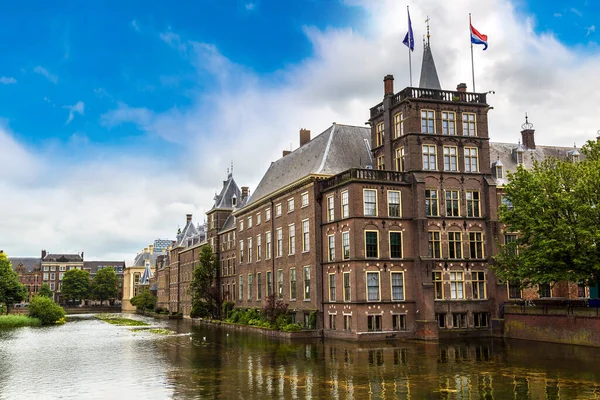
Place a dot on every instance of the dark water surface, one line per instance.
(90, 359)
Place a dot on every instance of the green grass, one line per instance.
(156, 331)
(16, 321)
(111, 319)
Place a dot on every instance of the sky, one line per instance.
(118, 118)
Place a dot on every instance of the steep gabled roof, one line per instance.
(29, 264)
(63, 258)
(429, 76)
(229, 223)
(228, 192)
(146, 275)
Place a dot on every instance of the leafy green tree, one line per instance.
(11, 290)
(554, 208)
(205, 296)
(144, 300)
(45, 310)
(76, 284)
(45, 291)
(104, 285)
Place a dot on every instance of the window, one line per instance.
(258, 247)
(332, 321)
(373, 286)
(241, 288)
(268, 214)
(544, 290)
(304, 199)
(454, 245)
(249, 286)
(345, 209)
(331, 246)
(499, 172)
(514, 290)
(450, 158)
(280, 283)
(279, 233)
(241, 225)
(471, 163)
(480, 320)
(53, 268)
(290, 205)
(400, 160)
(441, 319)
(345, 245)
(258, 286)
(381, 162)
(519, 157)
(427, 121)
(346, 286)
(452, 203)
(258, 216)
(52, 276)
(429, 158)
(395, 244)
(448, 123)
(398, 322)
(459, 320)
(249, 250)
(397, 286)
(476, 244)
(457, 285)
(371, 244)
(438, 285)
(473, 205)
(331, 287)
(46, 268)
(62, 268)
(305, 236)
(278, 210)
(506, 202)
(269, 283)
(306, 283)
(379, 134)
(434, 248)
(292, 283)
(268, 247)
(45, 276)
(431, 203)
(52, 286)
(330, 209)
(394, 209)
(370, 202)
(398, 125)
(468, 120)
(347, 322)
(582, 290)
(478, 282)
(292, 239)
(374, 323)
(250, 222)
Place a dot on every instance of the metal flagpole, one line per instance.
(409, 51)
(472, 63)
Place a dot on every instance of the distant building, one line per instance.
(118, 266)
(143, 265)
(30, 273)
(54, 267)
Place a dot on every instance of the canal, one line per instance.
(90, 359)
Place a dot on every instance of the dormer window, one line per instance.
(518, 153)
(499, 171)
(519, 157)
(574, 155)
(234, 200)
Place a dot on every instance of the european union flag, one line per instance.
(409, 39)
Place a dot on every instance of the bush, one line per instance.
(200, 309)
(226, 308)
(47, 311)
(295, 327)
(144, 300)
(312, 320)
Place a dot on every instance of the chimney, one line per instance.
(151, 248)
(82, 255)
(304, 136)
(145, 250)
(462, 87)
(286, 152)
(245, 192)
(188, 218)
(527, 134)
(44, 253)
(388, 85)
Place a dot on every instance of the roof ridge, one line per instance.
(327, 148)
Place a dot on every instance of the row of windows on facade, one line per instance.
(428, 125)
(278, 211)
(60, 268)
(430, 159)
(454, 242)
(279, 243)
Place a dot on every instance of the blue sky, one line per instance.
(118, 118)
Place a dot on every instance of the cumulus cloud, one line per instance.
(78, 108)
(43, 71)
(7, 80)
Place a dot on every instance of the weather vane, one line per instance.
(428, 35)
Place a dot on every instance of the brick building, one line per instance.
(30, 273)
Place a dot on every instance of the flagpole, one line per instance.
(472, 63)
(409, 56)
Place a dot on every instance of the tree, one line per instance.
(45, 310)
(11, 290)
(45, 291)
(205, 295)
(104, 285)
(554, 208)
(144, 300)
(75, 284)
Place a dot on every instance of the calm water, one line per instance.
(90, 359)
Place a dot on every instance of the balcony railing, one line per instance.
(362, 175)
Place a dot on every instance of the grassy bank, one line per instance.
(16, 321)
(111, 319)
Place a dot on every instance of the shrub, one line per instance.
(44, 309)
(294, 327)
(226, 308)
(200, 309)
(312, 320)
(144, 300)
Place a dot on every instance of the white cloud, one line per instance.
(590, 30)
(7, 80)
(250, 6)
(43, 71)
(576, 12)
(557, 15)
(78, 108)
(135, 25)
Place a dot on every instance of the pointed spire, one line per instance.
(429, 76)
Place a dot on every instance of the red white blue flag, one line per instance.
(478, 38)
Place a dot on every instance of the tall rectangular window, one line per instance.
(279, 233)
(379, 134)
(514, 290)
(331, 247)
(346, 286)
(268, 214)
(250, 222)
(374, 323)
(544, 290)
(450, 158)
(269, 283)
(398, 322)
(258, 247)
(452, 203)
(471, 161)
(381, 162)
(292, 283)
(258, 286)
(431, 203)
(241, 288)
(510, 240)
(429, 157)
(469, 128)
(371, 244)
(280, 283)
(278, 210)
(478, 283)
(400, 160)
(331, 287)
(394, 209)
(249, 286)
(249, 250)
(345, 245)
(473, 204)
(268, 245)
(398, 125)
(454, 245)
(427, 121)
(476, 245)
(373, 286)
(305, 236)
(397, 286)
(330, 209)
(290, 205)
(304, 199)
(370, 202)
(345, 206)
(457, 285)
(434, 249)
(258, 217)
(306, 283)
(438, 285)
(448, 123)
(241, 251)
(292, 239)
(395, 244)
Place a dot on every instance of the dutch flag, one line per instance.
(478, 38)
